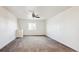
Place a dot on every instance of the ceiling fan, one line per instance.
(34, 15)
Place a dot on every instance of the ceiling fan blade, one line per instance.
(33, 14)
(37, 16)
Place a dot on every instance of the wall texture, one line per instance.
(8, 26)
(40, 27)
(64, 27)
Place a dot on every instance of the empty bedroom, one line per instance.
(39, 28)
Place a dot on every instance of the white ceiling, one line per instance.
(45, 12)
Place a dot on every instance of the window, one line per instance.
(31, 26)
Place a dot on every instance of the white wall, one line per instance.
(40, 24)
(8, 26)
(64, 27)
